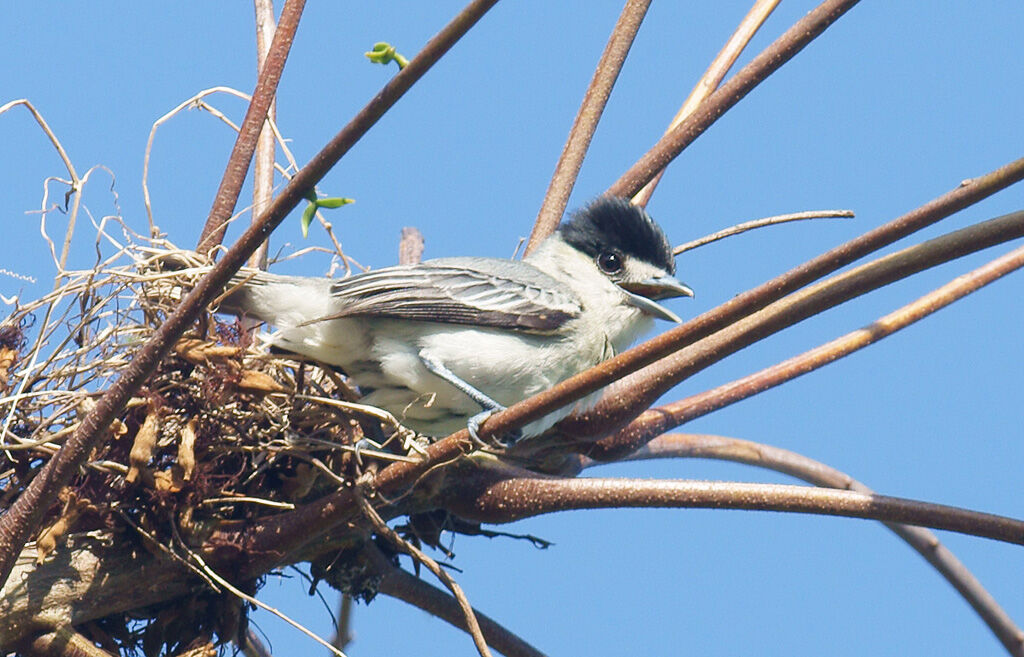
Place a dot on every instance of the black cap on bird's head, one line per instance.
(613, 222)
(630, 248)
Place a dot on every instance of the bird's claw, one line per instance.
(361, 444)
(473, 426)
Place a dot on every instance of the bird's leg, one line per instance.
(490, 406)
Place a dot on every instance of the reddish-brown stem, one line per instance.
(248, 133)
(511, 499)
(413, 590)
(767, 62)
(712, 77)
(594, 100)
(815, 472)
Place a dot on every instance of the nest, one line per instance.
(223, 430)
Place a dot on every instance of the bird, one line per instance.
(444, 343)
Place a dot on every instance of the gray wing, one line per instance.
(473, 291)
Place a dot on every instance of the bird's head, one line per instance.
(630, 249)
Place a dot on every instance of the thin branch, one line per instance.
(760, 223)
(767, 62)
(712, 77)
(587, 118)
(402, 545)
(255, 117)
(845, 286)
(515, 498)
(815, 472)
(343, 624)
(408, 588)
(23, 516)
(75, 183)
(263, 167)
(45, 127)
(197, 102)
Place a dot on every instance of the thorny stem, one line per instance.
(594, 101)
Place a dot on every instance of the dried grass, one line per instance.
(224, 430)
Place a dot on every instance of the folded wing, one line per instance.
(474, 291)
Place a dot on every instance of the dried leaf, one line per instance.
(48, 538)
(118, 428)
(253, 381)
(85, 407)
(47, 541)
(200, 352)
(8, 357)
(205, 650)
(186, 450)
(167, 481)
(144, 445)
(298, 486)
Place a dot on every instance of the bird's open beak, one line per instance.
(643, 295)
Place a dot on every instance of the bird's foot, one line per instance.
(473, 426)
(364, 443)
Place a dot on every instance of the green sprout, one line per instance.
(317, 203)
(384, 53)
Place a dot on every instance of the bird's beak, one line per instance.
(643, 295)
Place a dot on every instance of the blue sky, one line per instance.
(892, 106)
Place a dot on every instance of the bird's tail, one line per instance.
(272, 298)
(239, 296)
(275, 298)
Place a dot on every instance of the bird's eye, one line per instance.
(609, 262)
